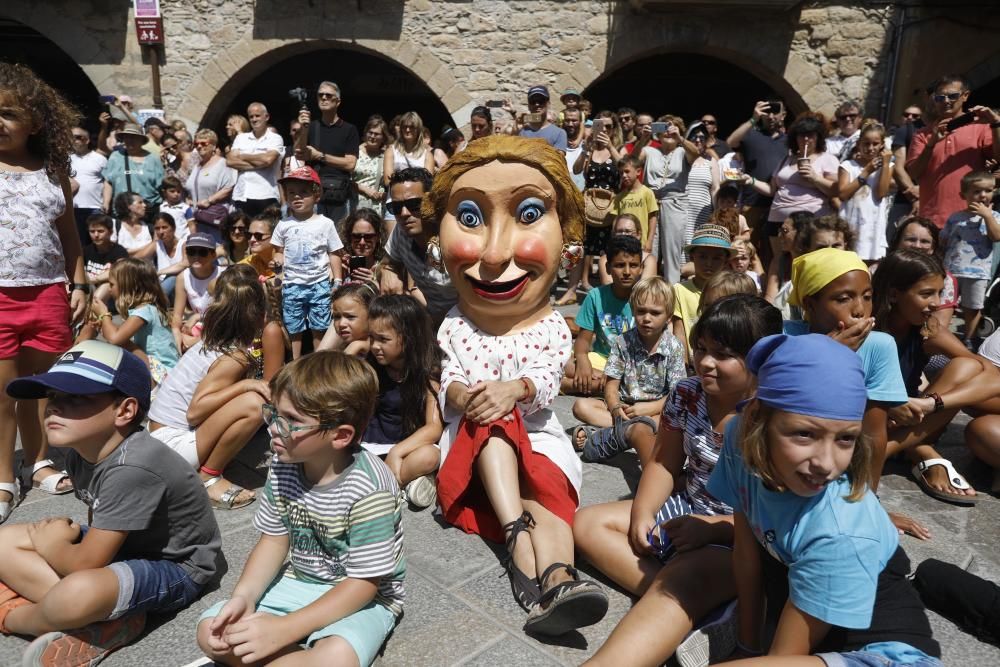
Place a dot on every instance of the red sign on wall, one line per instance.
(149, 30)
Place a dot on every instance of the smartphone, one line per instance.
(108, 99)
(960, 121)
(356, 262)
(659, 128)
(494, 104)
(774, 107)
(534, 118)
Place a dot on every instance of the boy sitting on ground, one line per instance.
(334, 510)
(646, 362)
(151, 543)
(604, 314)
(709, 250)
(100, 254)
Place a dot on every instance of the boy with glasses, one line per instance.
(334, 510)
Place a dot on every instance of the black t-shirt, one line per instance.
(898, 614)
(720, 147)
(338, 139)
(97, 262)
(761, 156)
(902, 137)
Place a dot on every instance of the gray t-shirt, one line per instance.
(147, 489)
(554, 135)
(434, 284)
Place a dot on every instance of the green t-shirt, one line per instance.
(606, 315)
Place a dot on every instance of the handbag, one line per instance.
(214, 214)
(597, 206)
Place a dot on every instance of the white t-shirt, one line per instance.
(258, 183)
(307, 245)
(571, 155)
(87, 172)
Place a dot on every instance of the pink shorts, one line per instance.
(35, 317)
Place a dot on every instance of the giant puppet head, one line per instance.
(504, 208)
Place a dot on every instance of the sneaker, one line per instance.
(713, 640)
(421, 492)
(84, 647)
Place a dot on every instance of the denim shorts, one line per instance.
(365, 630)
(306, 306)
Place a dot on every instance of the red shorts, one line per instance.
(35, 317)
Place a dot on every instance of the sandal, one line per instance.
(524, 588)
(8, 600)
(7, 506)
(566, 606)
(227, 501)
(51, 483)
(954, 478)
(587, 430)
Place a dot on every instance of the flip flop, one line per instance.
(954, 478)
(227, 501)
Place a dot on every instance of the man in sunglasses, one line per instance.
(907, 192)
(714, 143)
(329, 145)
(848, 119)
(947, 149)
(406, 250)
(87, 182)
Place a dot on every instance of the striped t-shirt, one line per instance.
(350, 527)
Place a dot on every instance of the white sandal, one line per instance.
(7, 506)
(51, 483)
(954, 478)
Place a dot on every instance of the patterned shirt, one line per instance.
(968, 248)
(350, 527)
(645, 376)
(687, 411)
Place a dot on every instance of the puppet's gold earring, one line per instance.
(434, 259)
(570, 256)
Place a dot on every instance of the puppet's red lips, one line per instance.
(498, 291)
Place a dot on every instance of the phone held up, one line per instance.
(356, 262)
(494, 104)
(960, 121)
(534, 118)
(659, 128)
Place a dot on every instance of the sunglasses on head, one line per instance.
(259, 236)
(411, 205)
(198, 252)
(951, 97)
(364, 237)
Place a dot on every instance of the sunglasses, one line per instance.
(202, 144)
(367, 237)
(326, 96)
(847, 116)
(81, 137)
(411, 205)
(259, 236)
(238, 228)
(708, 122)
(951, 97)
(198, 252)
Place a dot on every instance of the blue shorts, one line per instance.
(882, 654)
(365, 630)
(675, 506)
(306, 306)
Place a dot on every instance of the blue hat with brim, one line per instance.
(711, 236)
(92, 367)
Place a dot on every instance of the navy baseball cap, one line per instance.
(92, 367)
(538, 91)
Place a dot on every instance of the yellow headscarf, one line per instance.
(815, 270)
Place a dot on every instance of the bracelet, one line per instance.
(102, 316)
(83, 287)
(938, 401)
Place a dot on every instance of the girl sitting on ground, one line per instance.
(259, 234)
(406, 424)
(170, 259)
(671, 546)
(132, 232)
(348, 330)
(193, 292)
(209, 406)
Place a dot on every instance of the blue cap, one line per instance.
(91, 367)
(811, 375)
(535, 91)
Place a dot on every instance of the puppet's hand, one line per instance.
(489, 401)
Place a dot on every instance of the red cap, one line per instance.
(302, 174)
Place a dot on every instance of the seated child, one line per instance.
(193, 292)
(709, 250)
(406, 424)
(141, 301)
(332, 509)
(744, 259)
(645, 363)
(169, 253)
(348, 332)
(725, 283)
(627, 224)
(604, 314)
(100, 254)
(671, 545)
(173, 204)
(968, 237)
(151, 543)
(810, 537)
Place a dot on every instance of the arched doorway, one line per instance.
(369, 83)
(22, 44)
(686, 84)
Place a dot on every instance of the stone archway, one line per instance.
(223, 79)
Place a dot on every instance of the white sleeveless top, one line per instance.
(125, 239)
(31, 253)
(174, 396)
(197, 289)
(401, 160)
(164, 259)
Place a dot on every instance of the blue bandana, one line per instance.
(809, 375)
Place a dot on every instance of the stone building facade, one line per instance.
(813, 54)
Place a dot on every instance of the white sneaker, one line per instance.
(713, 640)
(421, 492)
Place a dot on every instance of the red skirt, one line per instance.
(462, 496)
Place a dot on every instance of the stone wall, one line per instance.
(467, 52)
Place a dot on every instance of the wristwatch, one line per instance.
(995, 124)
(83, 287)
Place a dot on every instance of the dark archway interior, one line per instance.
(369, 85)
(684, 84)
(988, 95)
(21, 44)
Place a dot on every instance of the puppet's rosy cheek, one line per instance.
(464, 251)
(533, 250)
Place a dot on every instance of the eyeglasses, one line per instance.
(259, 236)
(198, 252)
(411, 205)
(708, 122)
(847, 116)
(326, 96)
(365, 237)
(202, 144)
(951, 97)
(281, 425)
(238, 228)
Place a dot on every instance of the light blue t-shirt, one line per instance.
(968, 249)
(553, 134)
(606, 315)
(145, 175)
(879, 359)
(155, 339)
(834, 549)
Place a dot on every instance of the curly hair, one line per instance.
(48, 110)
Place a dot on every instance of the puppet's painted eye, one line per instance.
(469, 215)
(530, 211)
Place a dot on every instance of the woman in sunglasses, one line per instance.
(211, 185)
(363, 235)
(192, 295)
(235, 238)
(261, 255)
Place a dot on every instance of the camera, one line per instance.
(774, 107)
(659, 128)
(300, 95)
